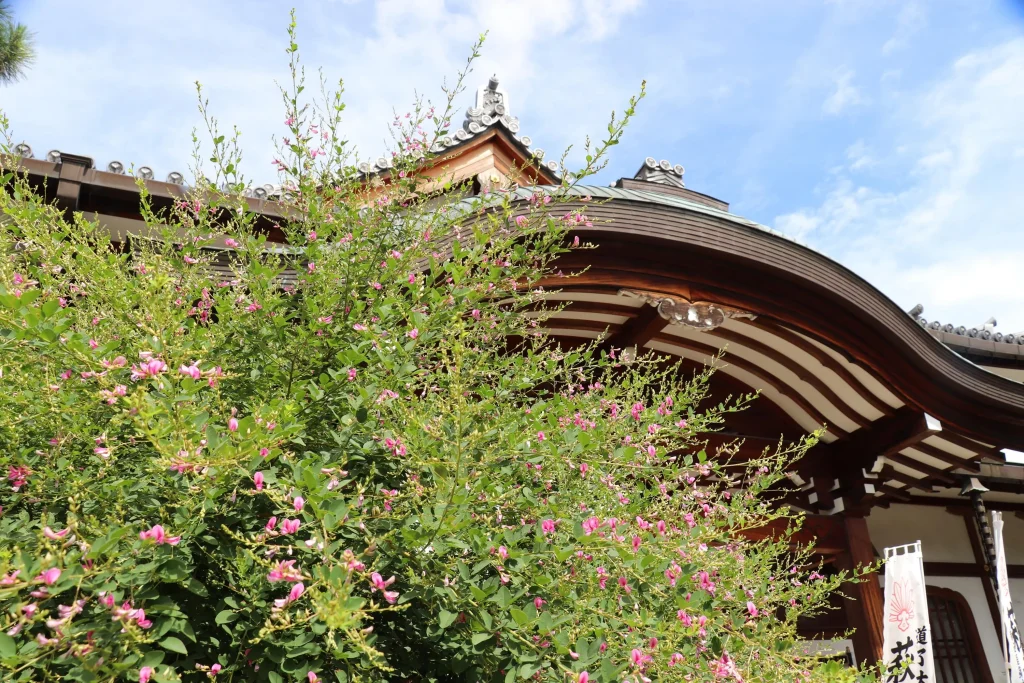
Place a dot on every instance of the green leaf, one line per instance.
(274, 677)
(480, 637)
(226, 616)
(446, 618)
(152, 658)
(174, 571)
(174, 645)
(504, 597)
(520, 616)
(7, 646)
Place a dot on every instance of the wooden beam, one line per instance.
(948, 458)
(958, 503)
(927, 470)
(1015, 571)
(823, 491)
(885, 437)
(890, 472)
(638, 330)
(893, 492)
(865, 612)
(826, 534)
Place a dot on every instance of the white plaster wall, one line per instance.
(943, 536)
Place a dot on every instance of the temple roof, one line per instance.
(982, 340)
(489, 111)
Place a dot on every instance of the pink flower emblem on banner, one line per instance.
(902, 611)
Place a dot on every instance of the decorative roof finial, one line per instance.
(661, 172)
(491, 106)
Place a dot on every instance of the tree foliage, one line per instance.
(16, 51)
(358, 457)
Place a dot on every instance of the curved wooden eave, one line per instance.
(644, 241)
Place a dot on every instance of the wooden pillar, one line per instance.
(865, 611)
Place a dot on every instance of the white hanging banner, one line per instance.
(1013, 652)
(907, 653)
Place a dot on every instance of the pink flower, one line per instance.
(540, 436)
(583, 469)
(538, 602)
(298, 503)
(636, 543)
(676, 658)
(152, 367)
(311, 236)
(271, 523)
(351, 374)
(413, 333)
(54, 535)
(214, 669)
(9, 579)
(284, 571)
(145, 673)
(502, 552)
(475, 313)
(233, 425)
(521, 221)
(230, 243)
(548, 526)
(752, 609)
(584, 677)
(157, 534)
(312, 677)
(258, 480)
(311, 267)
(378, 583)
(705, 582)
(296, 592)
(290, 526)
(192, 371)
(49, 577)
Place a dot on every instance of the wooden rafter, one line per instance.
(824, 358)
(800, 371)
(638, 330)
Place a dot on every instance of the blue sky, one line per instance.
(886, 134)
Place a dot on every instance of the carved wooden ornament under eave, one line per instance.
(700, 315)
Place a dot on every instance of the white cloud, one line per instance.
(911, 19)
(115, 79)
(844, 94)
(859, 156)
(950, 237)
